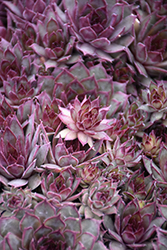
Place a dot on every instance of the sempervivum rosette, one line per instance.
(100, 27)
(149, 46)
(92, 81)
(88, 172)
(134, 225)
(123, 154)
(56, 44)
(62, 186)
(14, 198)
(18, 73)
(151, 144)
(140, 187)
(19, 89)
(50, 227)
(31, 11)
(22, 148)
(85, 120)
(99, 199)
(158, 170)
(81, 81)
(155, 100)
(64, 153)
(44, 108)
(129, 123)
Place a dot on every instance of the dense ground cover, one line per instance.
(83, 125)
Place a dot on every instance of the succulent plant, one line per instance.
(61, 187)
(134, 118)
(99, 198)
(134, 224)
(149, 46)
(47, 226)
(46, 109)
(158, 171)
(129, 123)
(88, 172)
(85, 120)
(117, 173)
(31, 11)
(13, 61)
(80, 81)
(69, 153)
(151, 144)
(123, 154)
(139, 186)
(21, 149)
(19, 89)
(148, 7)
(13, 199)
(155, 100)
(102, 27)
(56, 44)
(118, 128)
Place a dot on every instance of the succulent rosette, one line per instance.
(140, 187)
(45, 109)
(18, 74)
(56, 44)
(100, 27)
(99, 198)
(149, 46)
(155, 100)
(158, 171)
(13, 199)
(21, 150)
(88, 172)
(134, 118)
(151, 144)
(134, 225)
(63, 154)
(19, 89)
(116, 173)
(118, 129)
(123, 154)
(13, 62)
(81, 81)
(62, 186)
(49, 227)
(85, 120)
(27, 11)
(129, 123)
(92, 81)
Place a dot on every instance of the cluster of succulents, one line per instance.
(83, 125)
